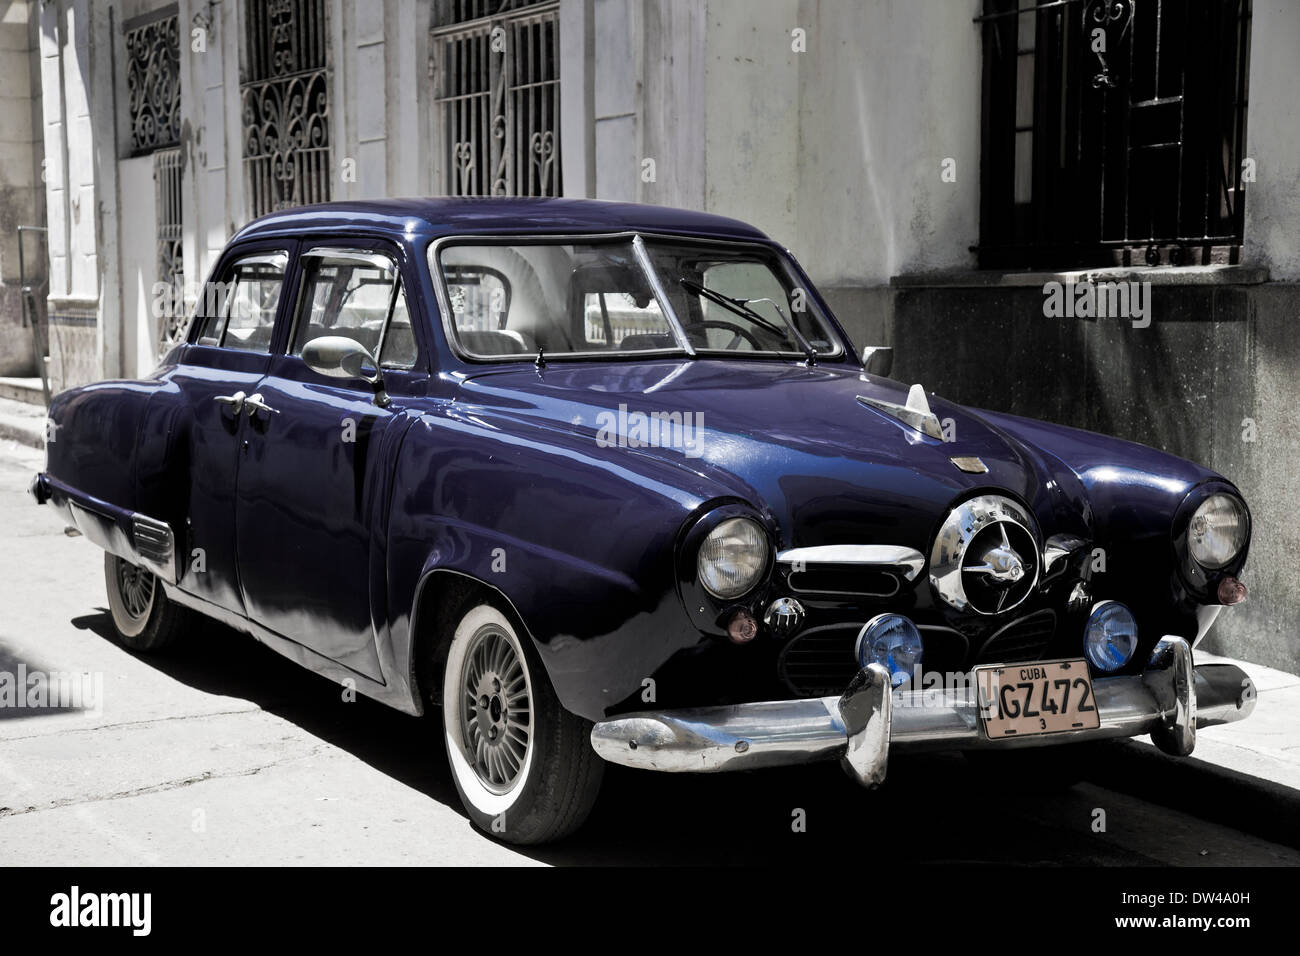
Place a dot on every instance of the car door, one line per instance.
(315, 478)
(228, 354)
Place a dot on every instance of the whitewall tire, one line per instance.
(523, 766)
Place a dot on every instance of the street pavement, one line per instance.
(220, 752)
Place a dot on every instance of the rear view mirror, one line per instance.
(341, 357)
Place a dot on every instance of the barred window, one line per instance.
(167, 171)
(153, 81)
(284, 92)
(1113, 131)
(496, 67)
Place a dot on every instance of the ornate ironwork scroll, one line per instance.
(1105, 25)
(285, 101)
(153, 82)
(497, 76)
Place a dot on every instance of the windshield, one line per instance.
(520, 298)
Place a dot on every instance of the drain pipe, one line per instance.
(30, 314)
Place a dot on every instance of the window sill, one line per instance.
(1216, 275)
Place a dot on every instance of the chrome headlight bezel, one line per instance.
(742, 540)
(1229, 513)
(1200, 581)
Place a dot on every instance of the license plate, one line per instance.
(1025, 700)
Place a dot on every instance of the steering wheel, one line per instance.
(739, 332)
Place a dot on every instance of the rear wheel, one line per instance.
(523, 765)
(143, 616)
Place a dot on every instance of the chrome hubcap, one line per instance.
(496, 710)
(135, 586)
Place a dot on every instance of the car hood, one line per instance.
(793, 440)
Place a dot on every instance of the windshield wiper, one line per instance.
(741, 308)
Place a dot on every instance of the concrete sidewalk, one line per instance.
(21, 422)
(1267, 744)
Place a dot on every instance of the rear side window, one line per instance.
(359, 295)
(239, 311)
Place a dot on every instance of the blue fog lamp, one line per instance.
(891, 640)
(1111, 636)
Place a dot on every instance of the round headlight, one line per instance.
(891, 640)
(1111, 636)
(733, 558)
(1217, 531)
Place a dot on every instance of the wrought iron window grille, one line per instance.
(1113, 130)
(153, 81)
(284, 93)
(496, 69)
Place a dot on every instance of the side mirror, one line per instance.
(341, 357)
(878, 359)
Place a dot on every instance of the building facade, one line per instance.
(936, 165)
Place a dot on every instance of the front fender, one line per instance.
(578, 538)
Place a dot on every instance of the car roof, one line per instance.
(437, 217)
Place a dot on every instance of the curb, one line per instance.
(23, 429)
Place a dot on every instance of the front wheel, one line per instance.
(143, 616)
(523, 765)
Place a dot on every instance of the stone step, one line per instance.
(23, 390)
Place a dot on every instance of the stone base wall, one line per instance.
(74, 346)
(16, 347)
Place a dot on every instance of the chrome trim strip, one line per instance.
(154, 545)
(887, 557)
(377, 260)
(861, 726)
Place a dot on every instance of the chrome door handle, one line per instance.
(255, 404)
(237, 400)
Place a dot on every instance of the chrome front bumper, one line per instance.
(1169, 701)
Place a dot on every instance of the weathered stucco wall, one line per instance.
(888, 92)
(22, 194)
(1273, 140)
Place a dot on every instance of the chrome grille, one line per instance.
(1020, 641)
(819, 662)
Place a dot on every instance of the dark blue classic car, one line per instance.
(607, 482)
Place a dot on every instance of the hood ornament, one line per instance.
(915, 414)
(1000, 565)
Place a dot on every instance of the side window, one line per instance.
(399, 349)
(239, 311)
(359, 295)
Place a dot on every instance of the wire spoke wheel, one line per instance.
(496, 709)
(136, 586)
